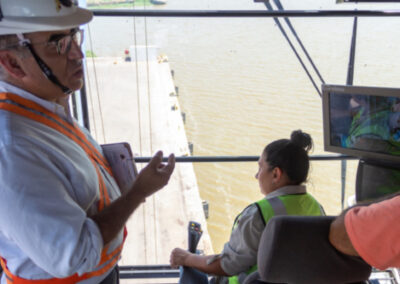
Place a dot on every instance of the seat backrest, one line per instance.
(375, 180)
(296, 249)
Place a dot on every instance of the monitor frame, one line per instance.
(353, 90)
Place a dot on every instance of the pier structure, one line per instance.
(135, 102)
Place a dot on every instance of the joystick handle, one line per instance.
(194, 235)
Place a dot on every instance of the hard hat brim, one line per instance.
(16, 25)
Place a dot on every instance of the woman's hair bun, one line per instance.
(302, 140)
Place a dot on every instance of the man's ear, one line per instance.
(11, 63)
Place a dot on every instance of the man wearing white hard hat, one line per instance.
(62, 216)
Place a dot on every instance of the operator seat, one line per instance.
(296, 249)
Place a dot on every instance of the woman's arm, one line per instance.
(204, 263)
(238, 255)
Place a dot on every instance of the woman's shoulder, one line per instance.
(251, 209)
(251, 216)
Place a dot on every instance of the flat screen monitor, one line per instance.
(362, 122)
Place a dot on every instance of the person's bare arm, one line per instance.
(150, 179)
(338, 237)
(181, 257)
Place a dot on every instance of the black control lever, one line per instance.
(194, 235)
(190, 275)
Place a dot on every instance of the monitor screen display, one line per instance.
(362, 121)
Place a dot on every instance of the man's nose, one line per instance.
(75, 52)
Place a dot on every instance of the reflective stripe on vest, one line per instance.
(36, 112)
(281, 205)
(277, 205)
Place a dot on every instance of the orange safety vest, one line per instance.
(36, 112)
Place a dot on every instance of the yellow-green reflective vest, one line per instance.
(293, 204)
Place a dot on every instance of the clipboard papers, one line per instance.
(123, 167)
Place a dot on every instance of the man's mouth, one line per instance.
(78, 73)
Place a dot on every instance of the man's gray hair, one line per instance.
(10, 42)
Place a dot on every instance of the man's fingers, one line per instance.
(156, 163)
(156, 160)
(171, 164)
(169, 167)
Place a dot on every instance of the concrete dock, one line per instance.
(136, 102)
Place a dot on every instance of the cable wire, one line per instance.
(97, 87)
(148, 84)
(150, 125)
(90, 94)
(269, 7)
(280, 7)
(137, 85)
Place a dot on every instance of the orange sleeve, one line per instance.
(374, 232)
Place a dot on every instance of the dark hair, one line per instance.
(291, 156)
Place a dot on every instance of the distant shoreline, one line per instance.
(111, 2)
(104, 4)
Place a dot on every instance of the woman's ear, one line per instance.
(277, 174)
(10, 62)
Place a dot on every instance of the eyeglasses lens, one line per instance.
(64, 44)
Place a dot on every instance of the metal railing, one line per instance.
(244, 13)
(147, 272)
(214, 159)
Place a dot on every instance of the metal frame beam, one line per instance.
(147, 272)
(230, 159)
(244, 13)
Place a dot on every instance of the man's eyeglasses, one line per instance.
(64, 42)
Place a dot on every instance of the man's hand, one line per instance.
(178, 257)
(154, 176)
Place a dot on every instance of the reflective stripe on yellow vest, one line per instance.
(35, 112)
(292, 204)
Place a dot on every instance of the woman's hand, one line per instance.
(178, 257)
(210, 264)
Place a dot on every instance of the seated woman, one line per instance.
(283, 167)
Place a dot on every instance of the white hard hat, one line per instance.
(27, 16)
